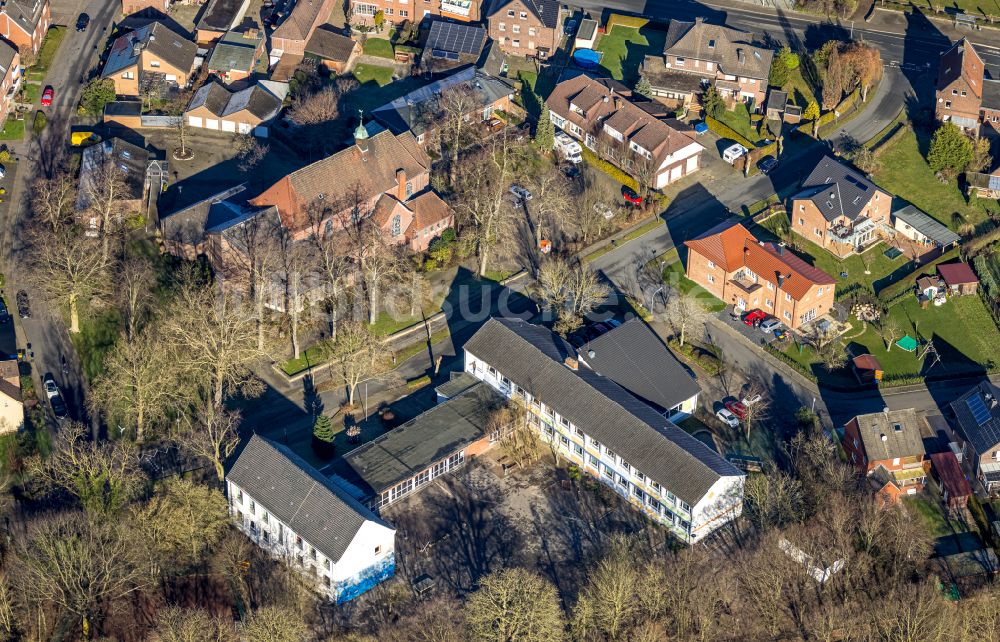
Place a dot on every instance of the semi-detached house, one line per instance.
(609, 433)
(24, 22)
(151, 57)
(610, 120)
(734, 266)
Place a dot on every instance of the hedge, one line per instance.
(634, 22)
(695, 354)
(726, 131)
(840, 109)
(609, 169)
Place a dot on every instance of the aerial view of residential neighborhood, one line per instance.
(500, 320)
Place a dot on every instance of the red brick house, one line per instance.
(396, 11)
(887, 447)
(531, 28)
(839, 209)
(291, 36)
(749, 274)
(384, 175)
(10, 78)
(24, 22)
(609, 119)
(698, 54)
(960, 86)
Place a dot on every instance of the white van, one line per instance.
(568, 148)
(733, 153)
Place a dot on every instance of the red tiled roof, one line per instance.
(957, 273)
(867, 362)
(428, 209)
(950, 472)
(723, 245)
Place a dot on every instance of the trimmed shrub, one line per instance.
(634, 22)
(726, 131)
(609, 169)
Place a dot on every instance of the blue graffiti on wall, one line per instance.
(366, 579)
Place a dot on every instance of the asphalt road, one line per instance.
(45, 331)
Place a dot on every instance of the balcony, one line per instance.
(909, 476)
(456, 7)
(745, 285)
(859, 234)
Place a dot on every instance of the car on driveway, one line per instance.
(770, 324)
(48, 95)
(4, 314)
(767, 164)
(82, 22)
(23, 306)
(727, 418)
(754, 317)
(521, 193)
(737, 409)
(733, 153)
(630, 195)
(54, 395)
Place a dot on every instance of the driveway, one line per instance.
(892, 93)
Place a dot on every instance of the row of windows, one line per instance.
(515, 28)
(421, 478)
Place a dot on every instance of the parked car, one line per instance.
(48, 95)
(737, 409)
(766, 164)
(520, 192)
(4, 314)
(58, 406)
(571, 171)
(754, 317)
(23, 306)
(3, 171)
(568, 149)
(631, 196)
(51, 387)
(82, 22)
(727, 418)
(569, 28)
(733, 153)
(769, 324)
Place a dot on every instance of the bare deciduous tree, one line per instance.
(572, 289)
(253, 266)
(551, 201)
(515, 605)
(683, 313)
(379, 264)
(757, 410)
(197, 516)
(176, 624)
(105, 191)
(453, 123)
(294, 259)
(135, 279)
(315, 108)
(358, 356)
(330, 252)
(53, 199)
(274, 624)
(215, 436)
(69, 269)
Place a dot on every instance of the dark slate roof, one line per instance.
(978, 416)
(901, 429)
(926, 225)
(330, 45)
(547, 11)
(492, 60)
(131, 159)
(456, 38)
(235, 51)
(532, 356)
(159, 39)
(26, 13)
(421, 442)
(459, 383)
(416, 110)
(636, 359)
(219, 101)
(300, 496)
(220, 15)
(7, 54)
(991, 94)
(837, 189)
(188, 225)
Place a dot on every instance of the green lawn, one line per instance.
(738, 119)
(12, 129)
(799, 91)
(31, 92)
(972, 7)
(378, 47)
(365, 73)
(47, 53)
(624, 49)
(929, 513)
(905, 173)
(673, 275)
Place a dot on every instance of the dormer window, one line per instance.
(679, 62)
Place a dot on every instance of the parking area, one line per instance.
(734, 319)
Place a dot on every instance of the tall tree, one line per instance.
(358, 356)
(981, 159)
(331, 258)
(454, 106)
(135, 281)
(545, 133)
(274, 624)
(53, 199)
(551, 200)
(515, 605)
(105, 192)
(713, 103)
(68, 268)
(177, 624)
(483, 201)
(214, 436)
(683, 313)
(254, 266)
(865, 63)
(572, 289)
(315, 108)
(295, 260)
(198, 516)
(950, 150)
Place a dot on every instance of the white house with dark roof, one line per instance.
(293, 512)
(594, 422)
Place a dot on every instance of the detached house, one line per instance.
(961, 76)
(610, 120)
(10, 78)
(839, 209)
(289, 509)
(291, 36)
(698, 55)
(237, 53)
(151, 57)
(733, 265)
(24, 22)
(531, 28)
(382, 175)
(977, 419)
(363, 11)
(887, 447)
(247, 111)
(610, 434)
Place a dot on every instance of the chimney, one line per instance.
(781, 248)
(401, 184)
(251, 33)
(605, 98)
(618, 102)
(699, 20)
(571, 363)
(136, 47)
(739, 55)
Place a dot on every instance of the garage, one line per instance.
(195, 121)
(211, 123)
(244, 128)
(692, 164)
(228, 126)
(676, 173)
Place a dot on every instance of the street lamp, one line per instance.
(653, 297)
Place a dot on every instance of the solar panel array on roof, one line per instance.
(978, 409)
(447, 55)
(460, 39)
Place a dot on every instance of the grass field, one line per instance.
(905, 173)
(798, 89)
(12, 130)
(378, 47)
(738, 119)
(371, 73)
(624, 49)
(47, 53)
(673, 275)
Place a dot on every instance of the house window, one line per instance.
(711, 279)
(818, 232)
(516, 28)
(610, 474)
(403, 13)
(679, 62)
(239, 496)
(596, 444)
(395, 225)
(531, 31)
(610, 454)
(640, 476)
(954, 92)
(622, 481)
(788, 297)
(685, 506)
(253, 507)
(502, 27)
(510, 12)
(820, 292)
(787, 315)
(564, 441)
(128, 75)
(638, 493)
(154, 63)
(378, 550)
(626, 466)
(769, 303)
(524, 15)
(593, 461)
(578, 449)
(947, 104)
(388, 11)
(326, 562)
(963, 93)
(711, 265)
(515, 43)
(564, 421)
(770, 286)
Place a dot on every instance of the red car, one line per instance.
(48, 95)
(753, 317)
(737, 409)
(630, 195)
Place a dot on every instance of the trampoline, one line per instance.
(907, 343)
(587, 58)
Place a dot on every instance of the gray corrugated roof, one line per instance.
(927, 226)
(837, 190)
(904, 442)
(733, 50)
(330, 45)
(982, 431)
(297, 494)
(221, 15)
(234, 52)
(188, 225)
(635, 358)
(459, 383)
(532, 356)
(456, 38)
(421, 442)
